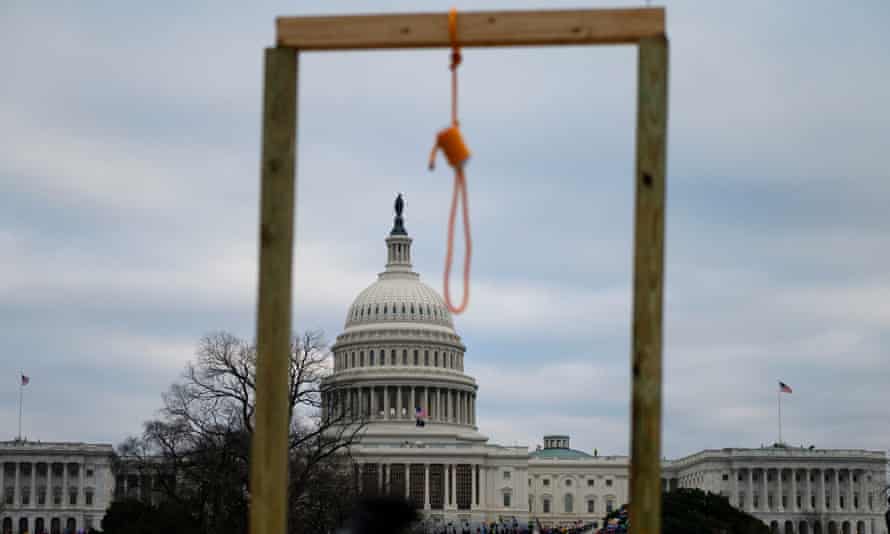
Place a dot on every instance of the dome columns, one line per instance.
(442, 403)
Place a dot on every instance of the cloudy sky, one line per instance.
(129, 141)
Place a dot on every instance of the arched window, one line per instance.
(392, 355)
(416, 357)
(591, 506)
(353, 360)
(361, 358)
(436, 359)
(426, 358)
(545, 506)
(404, 357)
(403, 307)
(568, 503)
(384, 309)
(371, 359)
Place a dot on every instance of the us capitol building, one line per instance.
(399, 353)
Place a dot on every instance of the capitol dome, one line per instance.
(399, 361)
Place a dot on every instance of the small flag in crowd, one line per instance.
(784, 388)
(25, 380)
(420, 414)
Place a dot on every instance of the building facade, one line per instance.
(794, 490)
(399, 356)
(54, 487)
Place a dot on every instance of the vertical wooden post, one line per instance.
(645, 471)
(269, 456)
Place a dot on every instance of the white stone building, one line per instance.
(54, 487)
(794, 490)
(399, 352)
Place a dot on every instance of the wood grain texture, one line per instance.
(646, 364)
(494, 28)
(268, 462)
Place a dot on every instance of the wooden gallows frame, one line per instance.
(642, 27)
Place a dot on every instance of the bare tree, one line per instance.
(204, 430)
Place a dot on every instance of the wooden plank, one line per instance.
(268, 464)
(645, 470)
(494, 28)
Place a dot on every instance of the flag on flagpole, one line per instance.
(420, 414)
(25, 380)
(784, 388)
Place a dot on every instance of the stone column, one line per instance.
(16, 492)
(779, 506)
(750, 491)
(836, 498)
(34, 484)
(385, 402)
(408, 481)
(49, 485)
(64, 484)
(388, 480)
(450, 405)
(794, 507)
(399, 402)
(372, 393)
(413, 403)
(850, 492)
(473, 483)
(438, 404)
(734, 499)
(426, 486)
(820, 500)
(483, 487)
(764, 497)
(863, 493)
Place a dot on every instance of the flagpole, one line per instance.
(779, 397)
(20, 404)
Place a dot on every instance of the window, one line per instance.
(426, 358)
(393, 357)
(89, 471)
(353, 360)
(591, 506)
(725, 476)
(89, 497)
(769, 501)
(828, 501)
(72, 497)
(741, 500)
(546, 506)
(506, 500)
(813, 502)
(26, 495)
(610, 506)
(546, 481)
(57, 496)
(404, 357)
(436, 359)
(568, 483)
(784, 501)
(590, 483)
(41, 497)
(842, 501)
(756, 501)
(856, 501)
(529, 482)
(799, 501)
(371, 359)
(569, 504)
(416, 357)
(609, 482)
(506, 475)
(361, 358)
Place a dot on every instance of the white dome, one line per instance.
(399, 297)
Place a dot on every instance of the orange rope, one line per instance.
(452, 144)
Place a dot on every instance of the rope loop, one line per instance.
(456, 152)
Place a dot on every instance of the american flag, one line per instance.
(25, 380)
(784, 388)
(420, 413)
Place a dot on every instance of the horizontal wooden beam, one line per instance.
(494, 28)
